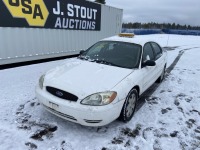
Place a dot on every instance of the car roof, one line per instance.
(136, 39)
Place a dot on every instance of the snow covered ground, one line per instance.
(168, 120)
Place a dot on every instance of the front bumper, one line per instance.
(78, 113)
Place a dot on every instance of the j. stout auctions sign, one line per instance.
(55, 14)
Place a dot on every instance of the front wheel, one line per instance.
(129, 106)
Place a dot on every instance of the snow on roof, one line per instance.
(137, 39)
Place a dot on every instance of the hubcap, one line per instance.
(131, 105)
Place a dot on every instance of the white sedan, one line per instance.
(104, 82)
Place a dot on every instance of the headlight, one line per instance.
(99, 99)
(41, 81)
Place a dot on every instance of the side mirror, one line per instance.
(149, 63)
(81, 52)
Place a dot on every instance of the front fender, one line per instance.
(125, 86)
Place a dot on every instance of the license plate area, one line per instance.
(53, 105)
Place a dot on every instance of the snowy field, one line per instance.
(168, 120)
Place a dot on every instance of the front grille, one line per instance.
(59, 113)
(61, 94)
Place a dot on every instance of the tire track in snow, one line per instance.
(181, 52)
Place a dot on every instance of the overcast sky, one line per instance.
(159, 11)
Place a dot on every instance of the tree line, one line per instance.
(153, 25)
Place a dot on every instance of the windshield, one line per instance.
(120, 54)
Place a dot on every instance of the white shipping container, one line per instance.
(27, 44)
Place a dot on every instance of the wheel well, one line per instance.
(137, 88)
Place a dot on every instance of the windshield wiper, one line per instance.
(106, 62)
(83, 57)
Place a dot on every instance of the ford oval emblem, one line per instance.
(58, 93)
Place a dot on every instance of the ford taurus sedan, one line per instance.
(104, 82)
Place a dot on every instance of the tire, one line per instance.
(129, 106)
(162, 76)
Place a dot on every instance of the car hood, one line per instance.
(83, 78)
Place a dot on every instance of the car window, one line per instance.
(97, 49)
(157, 50)
(148, 53)
(121, 54)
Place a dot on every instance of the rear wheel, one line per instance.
(129, 106)
(162, 76)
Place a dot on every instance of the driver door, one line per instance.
(148, 72)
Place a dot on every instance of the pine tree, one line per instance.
(101, 1)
